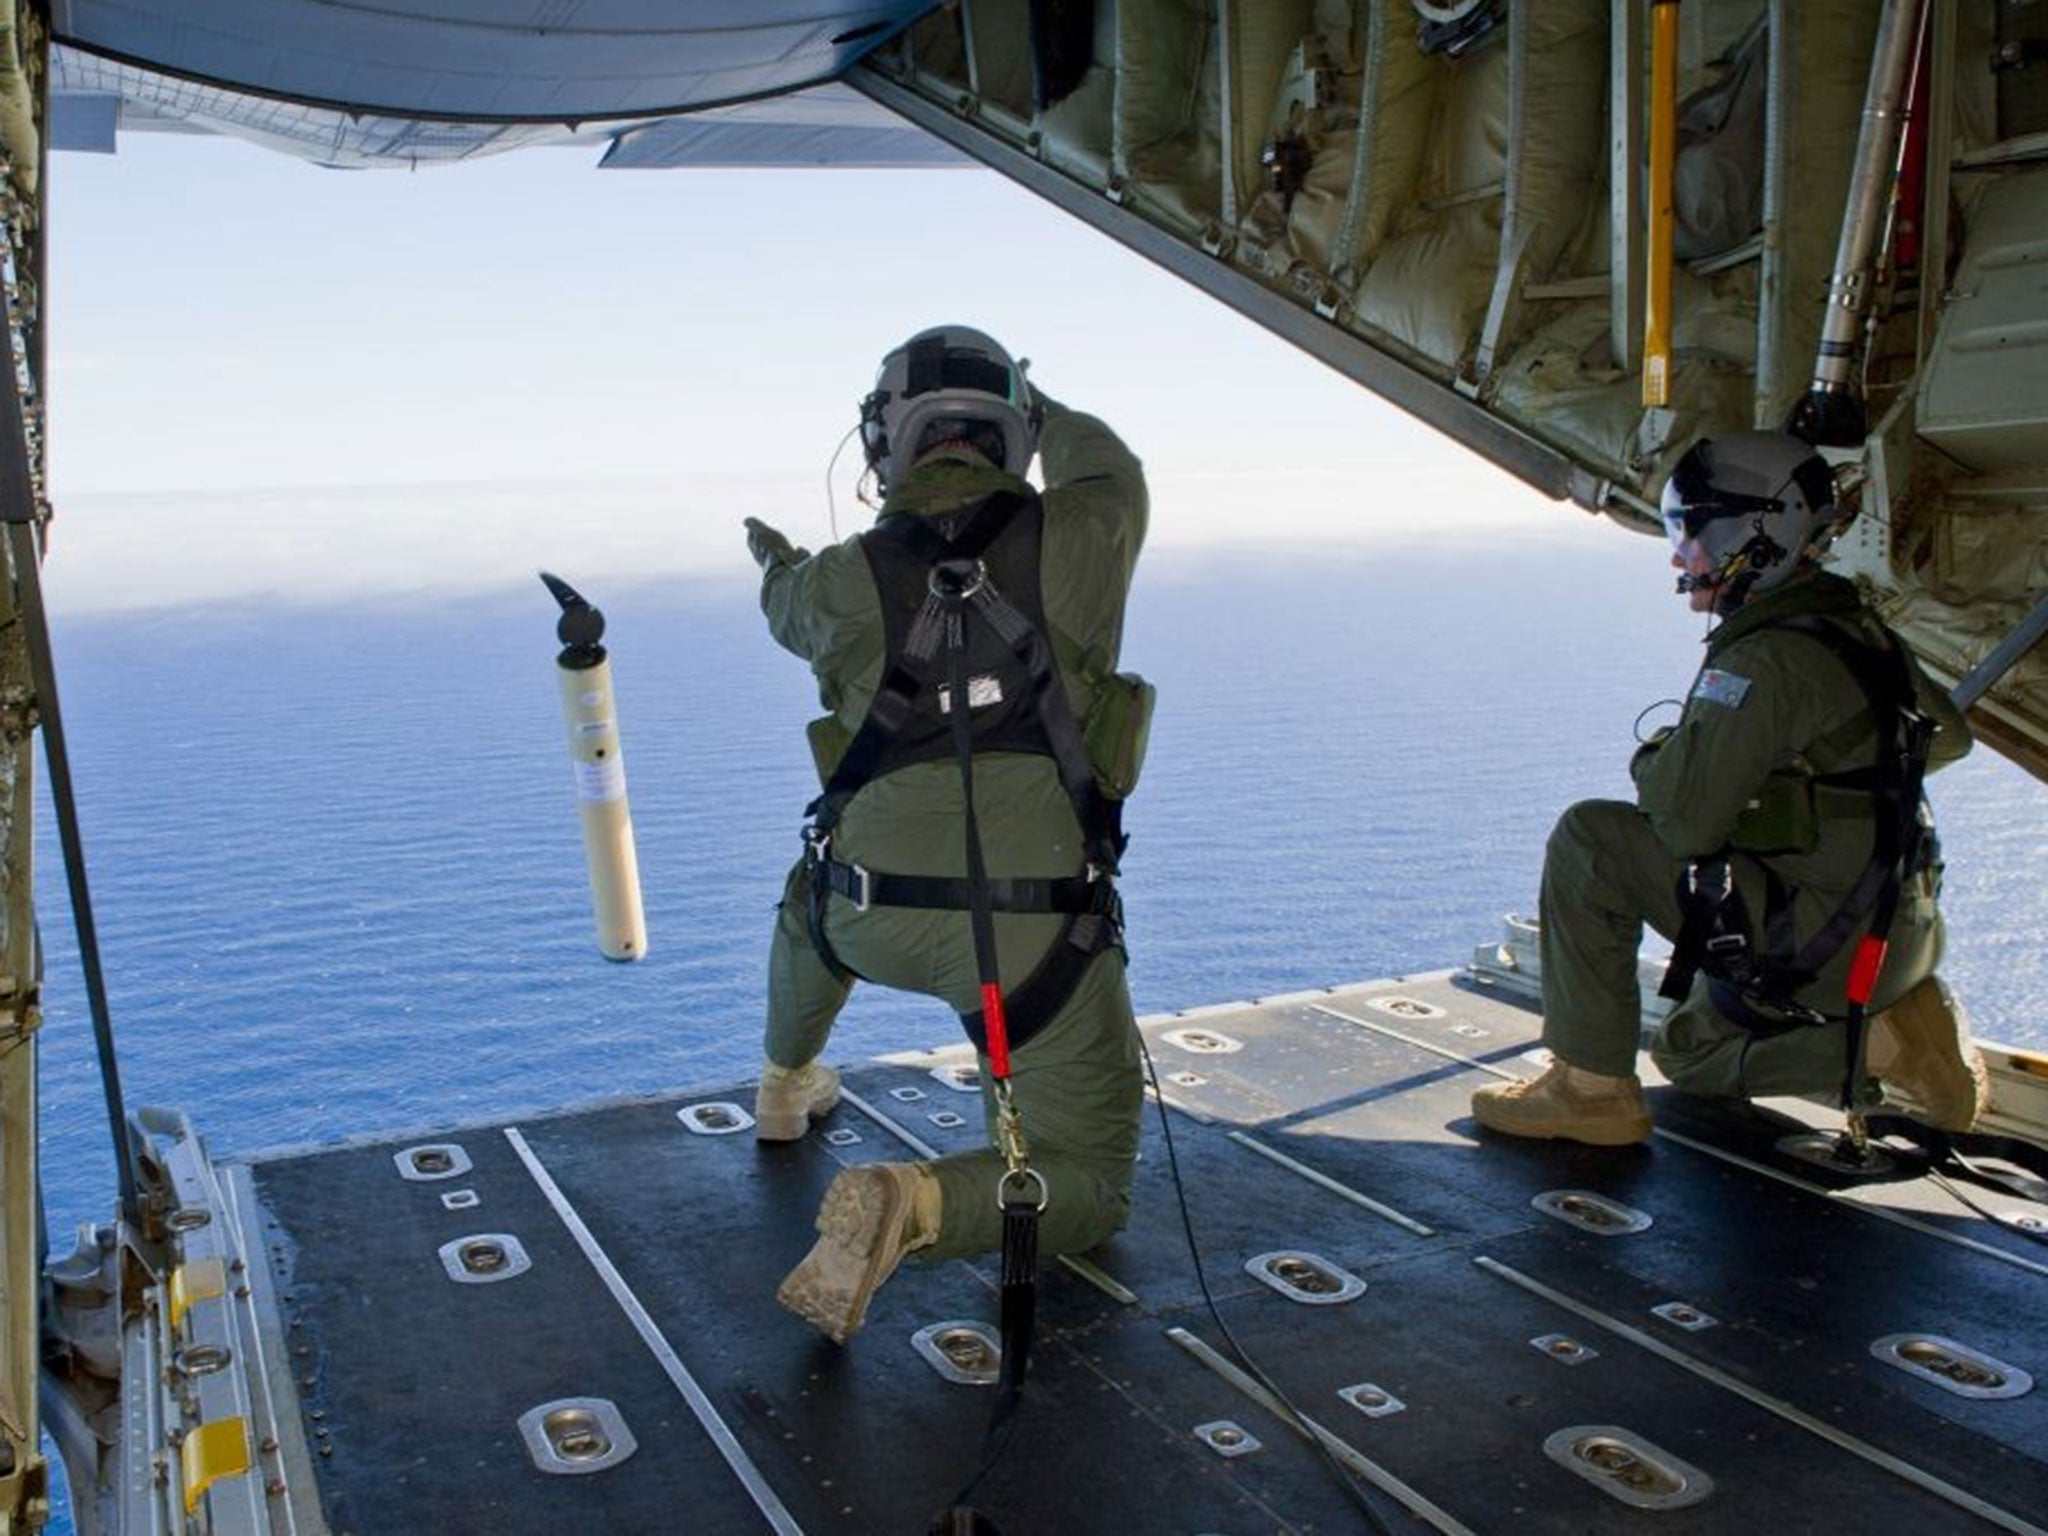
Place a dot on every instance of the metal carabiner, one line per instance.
(1024, 1178)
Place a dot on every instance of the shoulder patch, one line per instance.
(1718, 687)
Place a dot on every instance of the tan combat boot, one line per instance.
(1921, 1047)
(869, 1219)
(1569, 1102)
(790, 1098)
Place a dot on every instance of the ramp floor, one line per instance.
(1706, 1334)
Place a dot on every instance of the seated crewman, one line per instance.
(1791, 784)
(1052, 744)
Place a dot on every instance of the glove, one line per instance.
(769, 547)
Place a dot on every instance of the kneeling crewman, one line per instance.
(1778, 839)
(970, 589)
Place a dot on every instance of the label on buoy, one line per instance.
(601, 781)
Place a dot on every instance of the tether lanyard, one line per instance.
(952, 584)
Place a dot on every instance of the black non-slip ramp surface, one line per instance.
(1333, 1125)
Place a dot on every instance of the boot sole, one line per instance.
(856, 1218)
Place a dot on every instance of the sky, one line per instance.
(270, 378)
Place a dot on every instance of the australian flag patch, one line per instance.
(1718, 687)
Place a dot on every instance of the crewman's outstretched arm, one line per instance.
(1079, 451)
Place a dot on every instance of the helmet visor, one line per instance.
(1692, 500)
(932, 365)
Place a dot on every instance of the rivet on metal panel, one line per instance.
(1202, 1042)
(1305, 1277)
(966, 1353)
(945, 1120)
(1186, 1079)
(906, 1095)
(719, 1118)
(1405, 1007)
(1591, 1213)
(1227, 1439)
(842, 1137)
(189, 1218)
(461, 1200)
(1951, 1366)
(1372, 1401)
(1564, 1349)
(1469, 1031)
(1683, 1315)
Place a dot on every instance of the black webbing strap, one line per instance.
(895, 698)
(980, 911)
(871, 888)
(1052, 981)
(1712, 914)
(1020, 1211)
(817, 892)
(1019, 1302)
(2027, 1178)
(1100, 817)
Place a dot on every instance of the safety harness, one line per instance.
(963, 619)
(968, 669)
(1754, 985)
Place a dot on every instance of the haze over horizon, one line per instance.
(269, 379)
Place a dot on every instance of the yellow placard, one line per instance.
(212, 1452)
(200, 1280)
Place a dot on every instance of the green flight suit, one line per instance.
(1768, 701)
(1077, 1083)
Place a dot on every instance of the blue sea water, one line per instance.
(339, 883)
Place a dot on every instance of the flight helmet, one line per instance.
(948, 384)
(1754, 502)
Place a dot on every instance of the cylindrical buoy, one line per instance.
(591, 714)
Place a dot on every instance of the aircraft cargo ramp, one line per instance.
(568, 1323)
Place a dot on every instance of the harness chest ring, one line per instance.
(953, 580)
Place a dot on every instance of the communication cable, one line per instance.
(1296, 1419)
(831, 506)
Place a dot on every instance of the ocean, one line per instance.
(336, 864)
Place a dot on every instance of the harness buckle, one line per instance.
(863, 886)
(1727, 946)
